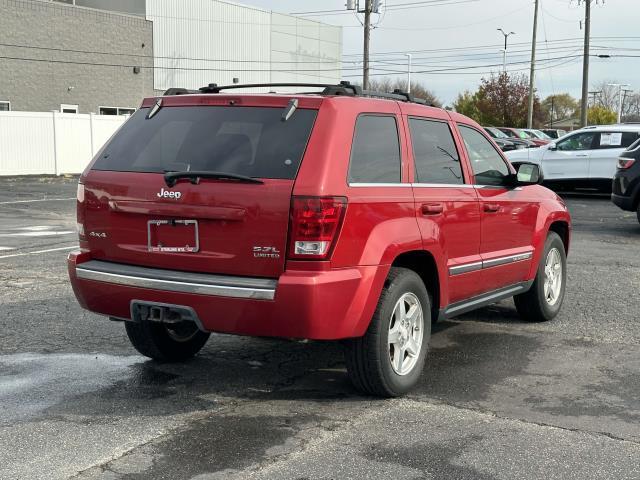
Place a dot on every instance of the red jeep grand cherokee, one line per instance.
(340, 214)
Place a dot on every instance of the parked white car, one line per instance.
(584, 158)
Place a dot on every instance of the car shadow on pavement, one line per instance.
(464, 361)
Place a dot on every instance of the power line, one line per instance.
(118, 54)
(154, 67)
(426, 60)
(494, 45)
(399, 6)
(566, 61)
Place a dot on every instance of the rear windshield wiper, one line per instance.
(171, 178)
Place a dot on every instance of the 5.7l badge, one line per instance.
(266, 252)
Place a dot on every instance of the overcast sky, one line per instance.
(469, 27)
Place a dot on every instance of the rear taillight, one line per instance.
(624, 163)
(80, 212)
(315, 223)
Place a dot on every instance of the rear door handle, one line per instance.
(491, 207)
(582, 155)
(432, 208)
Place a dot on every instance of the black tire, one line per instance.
(638, 212)
(166, 343)
(533, 305)
(368, 358)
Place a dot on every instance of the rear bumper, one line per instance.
(321, 305)
(624, 202)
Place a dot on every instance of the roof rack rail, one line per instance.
(343, 88)
(411, 98)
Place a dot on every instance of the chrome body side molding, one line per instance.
(494, 262)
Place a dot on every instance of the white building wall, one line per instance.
(62, 143)
(304, 51)
(198, 42)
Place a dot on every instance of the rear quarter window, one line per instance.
(608, 140)
(375, 153)
(251, 141)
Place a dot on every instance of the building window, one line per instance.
(65, 108)
(116, 111)
(5, 106)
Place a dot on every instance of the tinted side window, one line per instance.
(375, 154)
(488, 166)
(616, 139)
(434, 151)
(579, 141)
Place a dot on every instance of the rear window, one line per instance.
(634, 145)
(251, 141)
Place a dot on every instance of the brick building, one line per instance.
(104, 56)
(60, 57)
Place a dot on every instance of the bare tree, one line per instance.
(631, 108)
(607, 96)
(418, 90)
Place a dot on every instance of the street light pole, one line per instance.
(408, 72)
(504, 52)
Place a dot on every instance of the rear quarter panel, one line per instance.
(380, 221)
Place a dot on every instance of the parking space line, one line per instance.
(38, 200)
(37, 234)
(39, 252)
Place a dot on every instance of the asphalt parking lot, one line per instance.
(500, 399)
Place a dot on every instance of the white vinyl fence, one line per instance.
(52, 143)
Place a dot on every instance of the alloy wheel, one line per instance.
(553, 277)
(405, 333)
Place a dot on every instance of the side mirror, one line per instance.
(553, 147)
(528, 174)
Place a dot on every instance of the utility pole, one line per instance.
(367, 35)
(620, 101)
(533, 66)
(584, 108)
(504, 52)
(408, 72)
(370, 6)
(624, 99)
